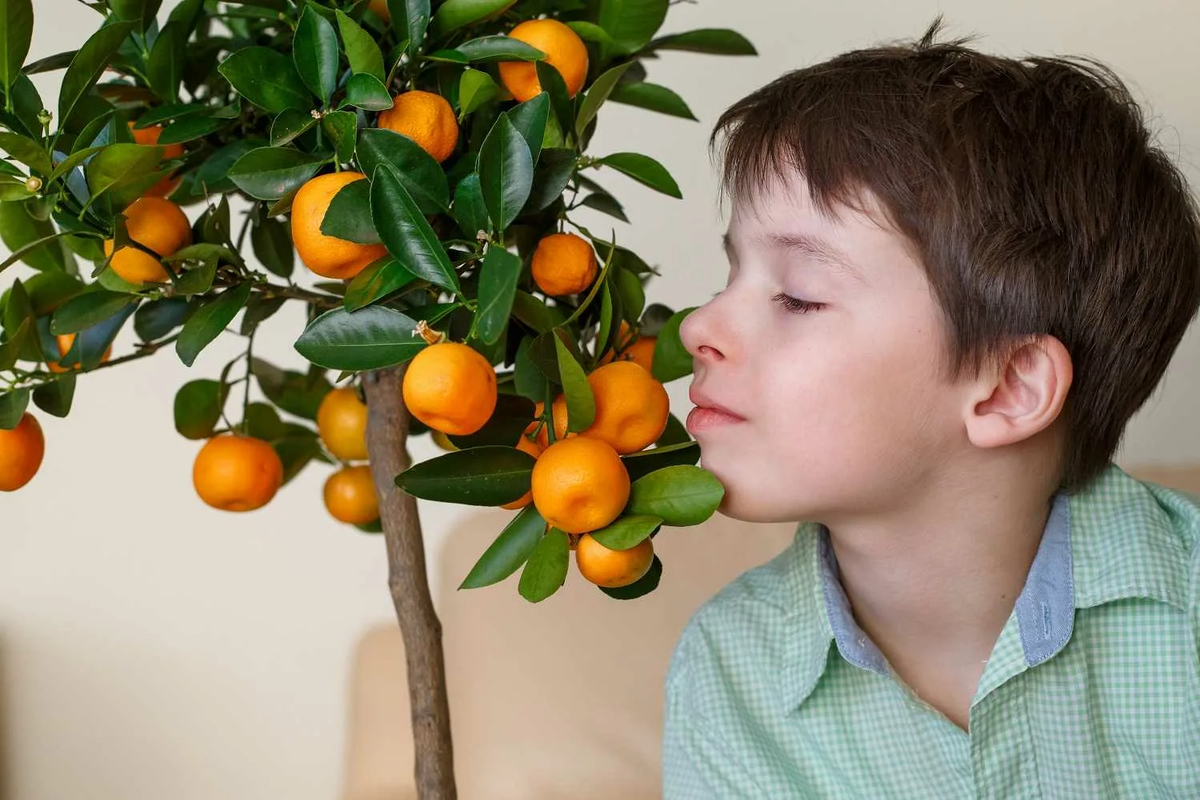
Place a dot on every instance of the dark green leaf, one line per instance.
(581, 404)
(405, 231)
(671, 359)
(675, 433)
(601, 88)
(644, 170)
(499, 48)
(607, 204)
(49, 290)
(213, 175)
(529, 118)
(681, 495)
(262, 422)
(653, 97)
(420, 174)
(533, 312)
(86, 66)
(349, 214)
(156, 320)
(454, 14)
(289, 124)
(448, 57)
(367, 92)
(55, 397)
(259, 310)
(633, 295)
(591, 32)
(410, 19)
(509, 420)
(551, 81)
(375, 283)
(120, 164)
(342, 129)
(31, 240)
(16, 31)
(293, 392)
(12, 408)
(26, 150)
(481, 476)
(528, 380)
(50, 63)
(88, 309)
(647, 461)
(269, 173)
(266, 78)
(627, 531)
(92, 343)
(189, 129)
(546, 569)
(272, 243)
(632, 23)
(639, 588)
(168, 112)
(198, 407)
(296, 451)
(715, 41)
(505, 172)
(469, 211)
(474, 89)
(509, 551)
(315, 53)
(361, 48)
(166, 64)
(497, 285)
(185, 14)
(550, 178)
(373, 337)
(209, 321)
(141, 12)
(197, 280)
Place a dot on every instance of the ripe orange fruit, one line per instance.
(237, 473)
(156, 224)
(342, 424)
(427, 119)
(380, 7)
(534, 449)
(580, 484)
(328, 256)
(559, 412)
(613, 568)
(21, 452)
(65, 342)
(641, 352)
(564, 50)
(149, 135)
(564, 263)
(451, 388)
(350, 495)
(631, 407)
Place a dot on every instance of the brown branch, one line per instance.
(387, 435)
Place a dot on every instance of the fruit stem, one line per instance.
(427, 333)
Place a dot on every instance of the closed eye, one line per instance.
(795, 305)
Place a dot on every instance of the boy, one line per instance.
(953, 279)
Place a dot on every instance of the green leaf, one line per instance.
(296, 451)
(11, 347)
(119, 165)
(12, 408)
(481, 476)
(550, 178)
(267, 78)
(361, 48)
(272, 243)
(269, 173)
(167, 63)
(546, 569)
(209, 321)
(681, 495)
(26, 150)
(499, 48)
(376, 282)
(508, 421)
(405, 232)
(189, 129)
(349, 214)
(529, 118)
(141, 12)
(509, 551)
(87, 65)
(289, 124)
(262, 422)
(294, 392)
(671, 359)
(646, 461)
(315, 54)
(644, 170)
(469, 210)
(601, 88)
(714, 41)
(373, 337)
(505, 172)
(632, 23)
(198, 407)
(213, 175)
(627, 531)
(31, 240)
(653, 97)
(581, 404)
(367, 92)
(197, 280)
(55, 397)
(16, 31)
(639, 588)
(474, 89)
(421, 175)
(157, 319)
(258, 310)
(91, 343)
(410, 19)
(497, 284)
(551, 81)
(49, 290)
(591, 32)
(606, 203)
(342, 129)
(88, 309)
(633, 294)
(455, 14)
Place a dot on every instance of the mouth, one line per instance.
(708, 415)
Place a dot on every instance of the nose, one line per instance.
(703, 334)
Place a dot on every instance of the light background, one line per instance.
(151, 647)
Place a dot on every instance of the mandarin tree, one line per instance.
(411, 172)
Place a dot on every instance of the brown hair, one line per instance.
(1030, 189)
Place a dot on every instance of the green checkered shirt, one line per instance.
(1092, 690)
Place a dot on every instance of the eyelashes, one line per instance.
(795, 305)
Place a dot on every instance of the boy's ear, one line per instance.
(1022, 396)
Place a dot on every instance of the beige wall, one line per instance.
(150, 647)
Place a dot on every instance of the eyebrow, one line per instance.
(816, 248)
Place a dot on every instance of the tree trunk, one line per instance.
(387, 436)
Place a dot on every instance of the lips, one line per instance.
(703, 401)
(709, 414)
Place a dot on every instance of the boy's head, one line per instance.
(1023, 262)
